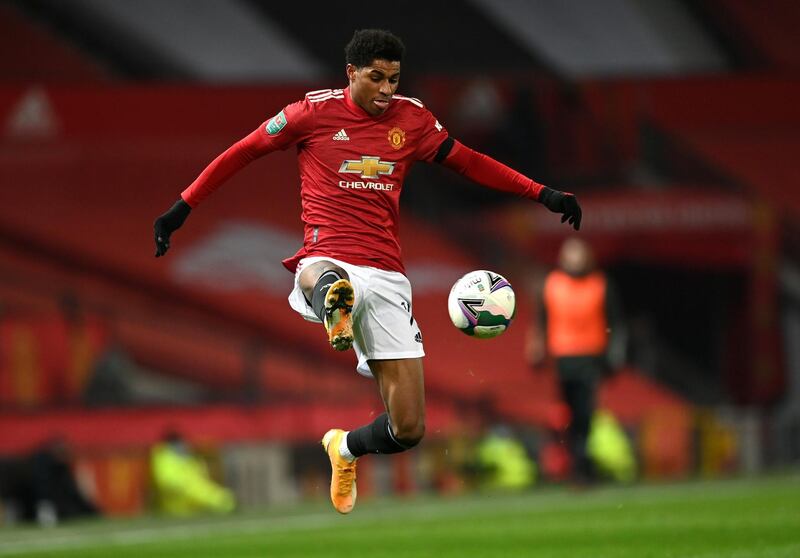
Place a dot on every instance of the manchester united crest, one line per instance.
(397, 138)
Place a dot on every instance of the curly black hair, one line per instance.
(370, 44)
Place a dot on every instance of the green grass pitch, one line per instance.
(730, 519)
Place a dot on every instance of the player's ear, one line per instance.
(351, 72)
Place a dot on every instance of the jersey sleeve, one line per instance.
(484, 170)
(432, 134)
(289, 127)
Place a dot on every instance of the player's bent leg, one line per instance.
(402, 427)
(328, 288)
(402, 387)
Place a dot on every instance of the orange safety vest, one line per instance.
(576, 314)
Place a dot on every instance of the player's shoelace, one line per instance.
(345, 477)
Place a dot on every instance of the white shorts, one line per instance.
(383, 325)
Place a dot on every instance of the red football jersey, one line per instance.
(352, 167)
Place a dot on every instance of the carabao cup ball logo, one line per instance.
(482, 304)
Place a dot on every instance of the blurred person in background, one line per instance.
(610, 449)
(41, 487)
(503, 462)
(182, 481)
(580, 326)
(354, 148)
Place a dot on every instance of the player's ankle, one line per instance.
(344, 450)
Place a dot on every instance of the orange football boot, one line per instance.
(343, 472)
(338, 314)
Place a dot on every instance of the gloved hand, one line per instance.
(168, 223)
(562, 202)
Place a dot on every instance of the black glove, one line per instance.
(562, 202)
(168, 223)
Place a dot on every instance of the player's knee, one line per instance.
(310, 275)
(409, 432)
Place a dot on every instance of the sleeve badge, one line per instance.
(276, 123)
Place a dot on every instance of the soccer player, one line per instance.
(354, 148)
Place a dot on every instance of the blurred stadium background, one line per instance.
(676, 122)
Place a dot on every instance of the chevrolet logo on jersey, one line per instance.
(368, 167)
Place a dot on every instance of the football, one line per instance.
(482, 304)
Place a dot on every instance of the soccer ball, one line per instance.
(482, 304)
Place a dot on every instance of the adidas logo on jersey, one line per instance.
(340, 136)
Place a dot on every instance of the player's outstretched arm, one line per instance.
(484, 170)
(168, 223)
(227, 164)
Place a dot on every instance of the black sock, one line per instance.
(375, 437)
(320, 290)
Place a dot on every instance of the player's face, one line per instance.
(372, 86)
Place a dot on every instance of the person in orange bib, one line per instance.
(580, 326)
